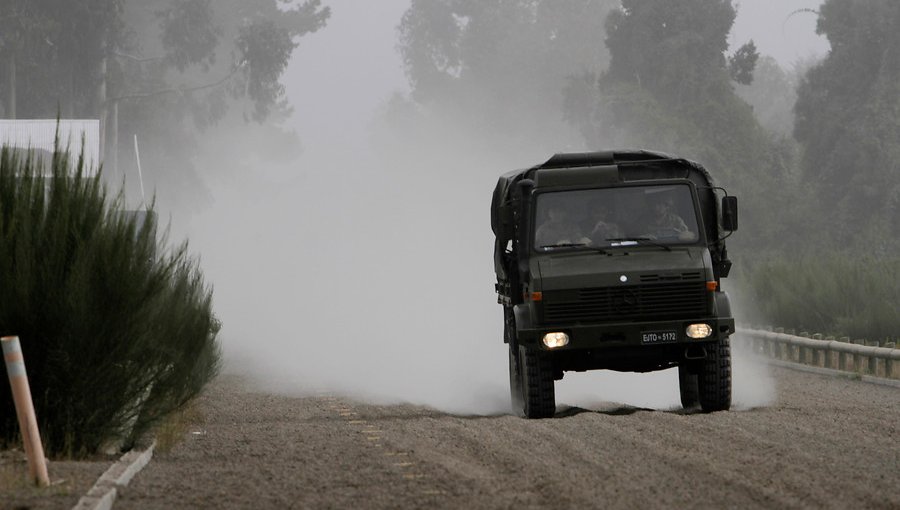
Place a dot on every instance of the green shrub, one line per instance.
(116, 330)
(837, 293)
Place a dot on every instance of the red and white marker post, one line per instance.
(31, 438)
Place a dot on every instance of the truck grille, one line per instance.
(660, 301)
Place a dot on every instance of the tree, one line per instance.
(500, 66)
(848, 119)
(54, 52)
(669, 87)
(742, 64)
(226, 56)
(21, 26)
(772, 95)
(676, 51)
(163, 69)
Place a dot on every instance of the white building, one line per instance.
(40, 134)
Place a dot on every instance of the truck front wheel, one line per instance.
(515, 380)
(688, 386)
(714, 378)
(538, 394)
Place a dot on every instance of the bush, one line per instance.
(841, 294)
(116, 331)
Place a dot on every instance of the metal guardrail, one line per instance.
(858, 356)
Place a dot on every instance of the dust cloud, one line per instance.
(363, 272)
(369, 273)
(364, 266)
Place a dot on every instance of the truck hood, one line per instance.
(562, 271)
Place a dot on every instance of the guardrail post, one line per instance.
(818, 353)
(31, 438)
(774, 348)
(755, 344)
(842, 357)
(859, 358)
(829, 354)
(873, 361)
(888, 362)
(793, 352)
(803, 351)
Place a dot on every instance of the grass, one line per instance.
(174, 428)
(13, 476)
(14, 480)
(838, 293)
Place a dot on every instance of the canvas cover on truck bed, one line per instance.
(621, 166)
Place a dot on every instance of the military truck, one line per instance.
(614, 260)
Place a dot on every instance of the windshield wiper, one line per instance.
(575, 245)
(646, 240)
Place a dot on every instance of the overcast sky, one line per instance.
(342, 74)
(776, 32)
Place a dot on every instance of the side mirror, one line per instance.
(729, 213)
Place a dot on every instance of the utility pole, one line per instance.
(104, 108)
(11, 103)
(113, 160)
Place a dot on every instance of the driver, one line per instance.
(557, 229)
(664, 218)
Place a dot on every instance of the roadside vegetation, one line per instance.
(116, 328)
(834, 294)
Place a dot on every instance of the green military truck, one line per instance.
(613, 260)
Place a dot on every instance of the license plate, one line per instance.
(659, 337)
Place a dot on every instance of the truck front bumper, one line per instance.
(630, 334)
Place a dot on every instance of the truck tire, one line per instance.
(688, 386)
(538, 394)
(515, 381)
(714, 379)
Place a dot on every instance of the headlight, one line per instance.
(554, 340)
(699, 331)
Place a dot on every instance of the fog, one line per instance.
(782, 29)
(363, 266)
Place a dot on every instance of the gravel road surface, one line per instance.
(826, 443)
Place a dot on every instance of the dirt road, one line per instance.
(825, 443)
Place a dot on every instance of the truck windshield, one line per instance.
(609, 217)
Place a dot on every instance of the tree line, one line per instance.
(646, 73)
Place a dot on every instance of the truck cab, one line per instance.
(614, 260)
